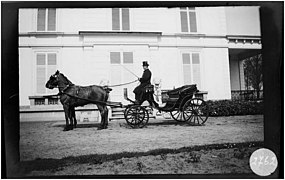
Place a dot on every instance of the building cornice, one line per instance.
(243, 37)
(41, 33)
(154, 33)
(120, 33)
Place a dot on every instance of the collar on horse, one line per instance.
(64, 88)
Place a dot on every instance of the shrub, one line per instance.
(232, 108)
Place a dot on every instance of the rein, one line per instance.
(123, 84)
(117, 104)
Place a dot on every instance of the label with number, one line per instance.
(263, 162)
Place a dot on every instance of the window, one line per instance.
(117, 59)
(191, 68)
(46, 19)
(121, 65)
(188, 19)
(45, 66)
(120, 19)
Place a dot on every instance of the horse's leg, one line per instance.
(105, 117)
(74, 117)
(71, 117)
(66, 113)
(101, 109)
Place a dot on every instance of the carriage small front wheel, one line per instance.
(195, 111)
(136, 116)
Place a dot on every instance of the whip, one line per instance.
(129, 71)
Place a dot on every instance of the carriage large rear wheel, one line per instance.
(136, 116)
(195, 111)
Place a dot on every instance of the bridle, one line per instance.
(64, 87)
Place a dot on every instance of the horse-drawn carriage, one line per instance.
(179, 102)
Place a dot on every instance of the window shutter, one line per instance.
(186, 68)
(52, 59)
(115, 19)
(41, 73)
(192, 21)
(196, 69)
(41, 20)
(126, 19)
(127, 57)
(41, 59)
(51, 64)
(186, 58)
(115, 58)
(184, 21)
(115, 70)
(51, 19)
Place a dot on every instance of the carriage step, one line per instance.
(116, 113)
(118, 109)
(122, 117)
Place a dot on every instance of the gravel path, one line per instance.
(45, 140)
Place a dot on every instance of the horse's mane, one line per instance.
(69, 82)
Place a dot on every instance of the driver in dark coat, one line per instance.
(144, 81)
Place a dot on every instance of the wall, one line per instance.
(216, 65)
(212, 20)
(243, 21)
(25, 76)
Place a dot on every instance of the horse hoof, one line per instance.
(68, 128)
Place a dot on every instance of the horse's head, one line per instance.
(57, 80)
(53, 81)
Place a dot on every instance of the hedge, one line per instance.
(232, 108)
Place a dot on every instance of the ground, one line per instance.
(222, 145)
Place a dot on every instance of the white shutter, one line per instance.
(196, 69)
(184, 21)
(127, 57)
(51, 68)
(192, 21)
(41, 59)
(186, 68)
(41, 20)
(41, 73)
(51, 19)
(115, 58)
(115, 19)
(125, 19)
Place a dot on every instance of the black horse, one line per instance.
(72, 96)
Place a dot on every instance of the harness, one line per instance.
(106, 88)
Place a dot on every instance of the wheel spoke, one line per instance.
(176, 113)
(201, 118)
(191, 117)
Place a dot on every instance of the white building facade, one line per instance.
(195, 45)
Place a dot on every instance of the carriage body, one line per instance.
(179, 103)
(176, 98)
